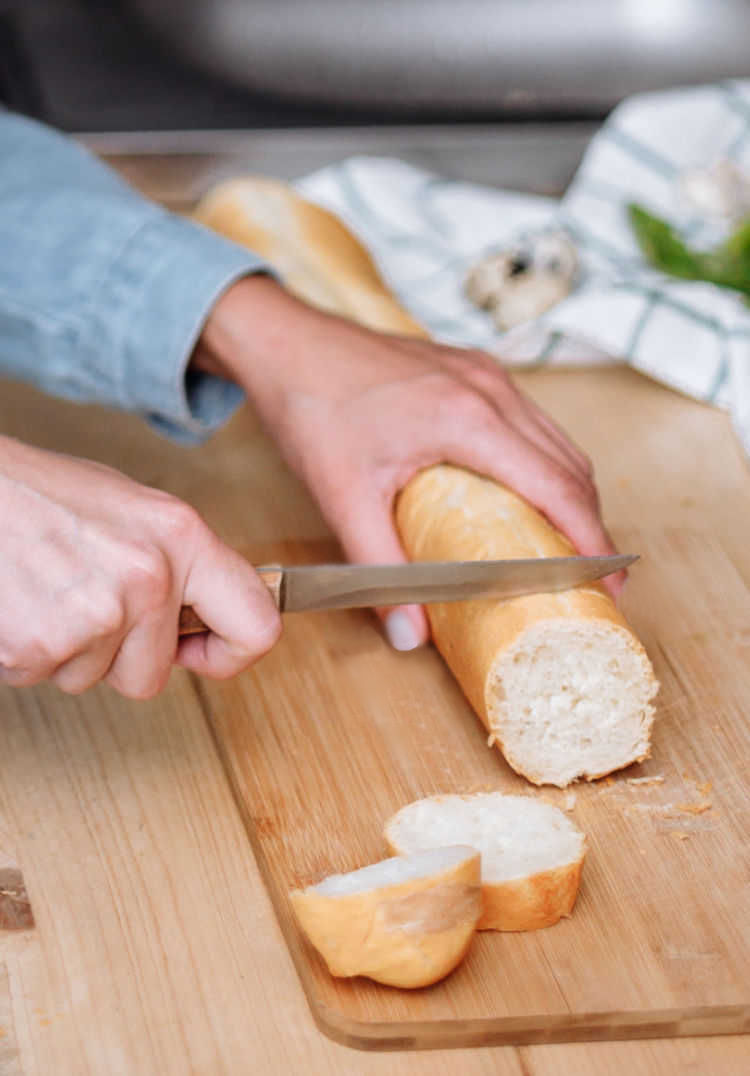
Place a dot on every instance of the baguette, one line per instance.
(532, 854)
(404, 921)
(560, 682)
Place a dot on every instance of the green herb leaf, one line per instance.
(728, 265)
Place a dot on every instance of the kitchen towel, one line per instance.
(425, 232)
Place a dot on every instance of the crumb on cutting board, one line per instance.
(695, 808)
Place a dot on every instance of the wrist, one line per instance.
(253, 335)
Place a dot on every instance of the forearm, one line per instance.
(103, 295)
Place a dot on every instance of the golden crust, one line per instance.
(534, 902)
(317, 257)
(409, 935)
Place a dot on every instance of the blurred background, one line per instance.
(533, 77)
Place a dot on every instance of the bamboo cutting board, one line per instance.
(332, 732)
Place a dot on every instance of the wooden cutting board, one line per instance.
(332, 732)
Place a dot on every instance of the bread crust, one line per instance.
(409, 935)
(531, 903)
(528, 902)
(315, 254)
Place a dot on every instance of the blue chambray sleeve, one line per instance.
(102, 293)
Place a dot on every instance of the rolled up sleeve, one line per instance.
(103, 294)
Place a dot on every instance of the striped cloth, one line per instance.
(425, 232)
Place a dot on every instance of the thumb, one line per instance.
(368, 536)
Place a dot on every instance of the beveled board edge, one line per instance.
(530, 1030)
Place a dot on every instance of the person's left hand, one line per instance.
(357, 413)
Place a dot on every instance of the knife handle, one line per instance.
(271, 574)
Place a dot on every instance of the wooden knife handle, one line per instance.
(271, 574)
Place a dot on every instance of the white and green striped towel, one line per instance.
(425, 232)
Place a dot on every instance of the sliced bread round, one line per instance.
(532, 854)
(404, 921)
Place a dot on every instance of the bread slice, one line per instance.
(532, 854)
(404, 921)
(559, 680)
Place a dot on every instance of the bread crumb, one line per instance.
(665, 809)
(695, 808)
(657, 779)
(679, 834)
(704, 789)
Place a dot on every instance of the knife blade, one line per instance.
(298, 588)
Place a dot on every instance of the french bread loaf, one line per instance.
(561, 683)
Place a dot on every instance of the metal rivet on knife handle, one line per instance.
(271, 574)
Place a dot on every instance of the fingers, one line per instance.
(580, 458)
(368, 536)
(528, 418)
(84, 670)
(144, 660)
(231, 599)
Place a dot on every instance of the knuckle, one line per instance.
(572, 488)
(105, 614)
(149, 577)
(178, 521)
(36, 654)
(470, 407)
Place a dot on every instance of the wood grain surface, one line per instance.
(156, 949)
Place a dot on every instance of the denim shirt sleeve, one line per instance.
(102, 293)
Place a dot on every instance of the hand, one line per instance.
(93, 571)
(357, 413)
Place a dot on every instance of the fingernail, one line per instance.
(400, 631)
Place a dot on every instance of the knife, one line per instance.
(310, 587)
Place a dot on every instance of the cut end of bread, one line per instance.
(532, 854)
(571, 698)
(406, 921)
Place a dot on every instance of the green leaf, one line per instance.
(661, 245)
(728, 265)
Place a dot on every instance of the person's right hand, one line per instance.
(93, 570)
